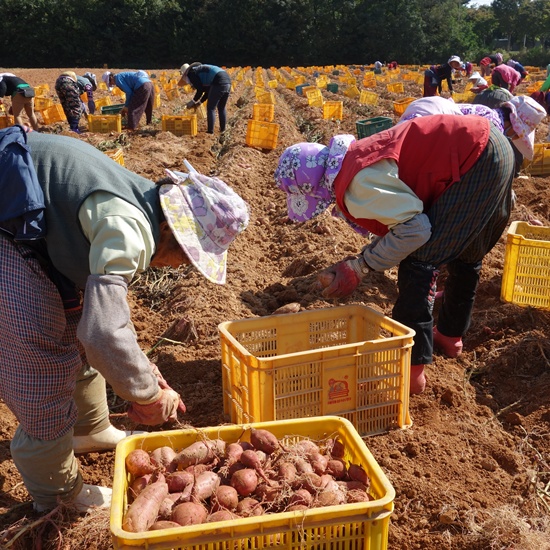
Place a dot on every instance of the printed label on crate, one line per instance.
(339, 390)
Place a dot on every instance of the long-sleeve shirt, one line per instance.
(129, 82)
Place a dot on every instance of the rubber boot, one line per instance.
(418, 379)
(451, 346)
(90, 497)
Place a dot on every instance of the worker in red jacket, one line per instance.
(431, 192)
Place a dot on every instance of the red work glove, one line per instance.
(163, 409)
(163, 385)
(341, 279)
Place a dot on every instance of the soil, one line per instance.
(473, 470)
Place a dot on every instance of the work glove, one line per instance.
(191, 104)
(163, 409)
(341, 279)
(163, 385)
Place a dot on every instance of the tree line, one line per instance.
(166, 33)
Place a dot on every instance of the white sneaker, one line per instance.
(92, 496)
(102, 441)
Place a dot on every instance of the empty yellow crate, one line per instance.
(41, 103)
(540, 165)
(395, 87)
(199, 111)
(349, 361)
(102, 102)
(172, 93)
(104, 123)
(526, 272)
(263, 111)
(352, 91)
(272, 83)
(369, 82)
(266, 97)
(333, 110)
(314, 98)
(117, 155)
(53, 114)
(41, 89)
(363, 525)
(368, 98)
(401, 105)
(262, 134)
(464, 97)
(183, 125)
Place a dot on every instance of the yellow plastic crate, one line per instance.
(41, 103)
(464, 97)
(314, 98)
(352, 91)
(401, 105)
(263, 111)
(102, 102)
(349, 361)
(272, 83)
(540, 165)
(395, 87)
(157, 101)
(172, 93)
(6, 121)
(368, 98)
(199, 111)
(262, 134)
(53, 114)
(526, 272)
(369, 82)
(103, 124)
(266, 97)
(333, 110)
(117, 155)
(41, 89)
(182, 125)
(356, 526)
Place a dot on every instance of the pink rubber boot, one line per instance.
(451, 346)
(418, 380)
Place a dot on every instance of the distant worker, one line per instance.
(22, 97)
(140, 95)
(213, 85)
(505, 77)
(436, 74)
(378, 67)
(518, 67)
(488, 62)
(478, 83)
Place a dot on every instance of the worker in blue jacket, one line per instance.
(212, 84)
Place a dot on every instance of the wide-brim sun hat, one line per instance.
(205, 216)
(306, 172)
(454, 58)
(525, 115)
(474, 76)
(184, 68)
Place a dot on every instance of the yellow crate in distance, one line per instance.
(314, 98)
(526, 272)
(41, 103)
(333, 110)
(540, 165)
(6, 121)
(368, 98)
(172, 93)
(262, 134)
(41, 89)
(53, 114)
(350, 361)
(182, 125)
(401, 105)
(103, 124)
(102, 102)
(352, 526)
(395, 87)
(117, 155)
(352, 91)
(263, 111)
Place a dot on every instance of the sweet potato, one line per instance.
(302, 466)
(301, 496)
(220, 515)
(163, 524)
(178, 481)
(205, 485)
(189, 513)
(336, 468)
(319, 463)
(163, 457)
(138, 463)
(251, 459)
(249, 507)
(264, 440)
(165, 509)
(143, 512)
(357, 473)
(200, 452)
(225, 497)
(245, 481)
(286, 472)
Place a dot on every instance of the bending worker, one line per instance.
(77, 228)
(433, 191)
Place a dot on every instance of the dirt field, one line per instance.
(473, 471)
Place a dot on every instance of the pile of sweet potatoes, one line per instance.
(211, 480)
